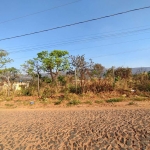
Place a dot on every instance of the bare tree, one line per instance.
(82, 68)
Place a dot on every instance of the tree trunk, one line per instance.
(76, 79)
(38, 86)
(51, 74)
(8, 89)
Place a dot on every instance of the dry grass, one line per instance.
(95, 92)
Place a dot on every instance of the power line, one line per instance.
(82, 40)
(72, 38)
(35, 13)
(73, 24)
(122, 52)
(32, 49)
(108, 54)
(87, 47)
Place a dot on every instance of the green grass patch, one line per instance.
(58, 102)
(9, 105)
(8, 99)
(73, 102)
(114, 100)
(18, 101)
(26, 103)
(88, 102)
(99, 101)
(139, 98)
(131, 103)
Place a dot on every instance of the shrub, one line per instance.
(48, 92)
(46, 79)
(72, 89)
(99, 86)
(62, 80)
(123, 73)
(143, 86)
(26, 91)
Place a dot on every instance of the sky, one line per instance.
(120, 41)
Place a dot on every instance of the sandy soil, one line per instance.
(75, 129)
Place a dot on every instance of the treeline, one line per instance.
(70, 74)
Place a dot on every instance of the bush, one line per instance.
(48, 92)
(143, 86)
(46, 79)
(72, 89)
(99, 86)
(62, 80)
(26, 91)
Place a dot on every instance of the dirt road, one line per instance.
(77, 129)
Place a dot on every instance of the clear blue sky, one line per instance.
(94, 39)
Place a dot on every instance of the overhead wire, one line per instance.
(111, 32)
(109, 54)
(122, 52)
(33, 49)
(35, 13)
(76, 23)
(82, 40)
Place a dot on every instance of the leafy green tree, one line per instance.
(54, 62)
(33, 67)
(3, 58)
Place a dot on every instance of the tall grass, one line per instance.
(66, 87)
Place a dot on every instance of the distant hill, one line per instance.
(134, 71)
(140, 70)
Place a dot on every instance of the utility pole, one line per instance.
(38, 86)
(76, 79)
(113, 76)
